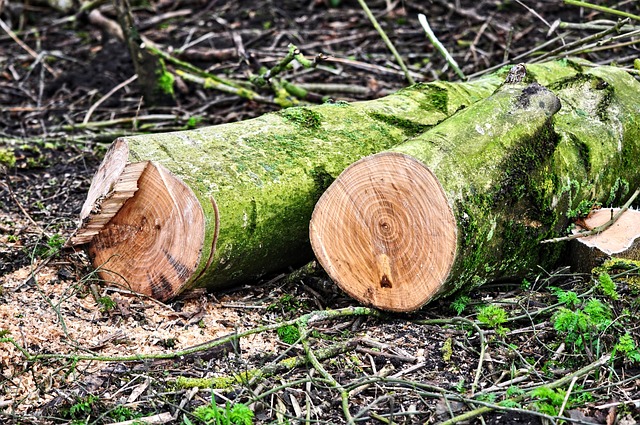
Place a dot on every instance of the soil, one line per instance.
(51, 302)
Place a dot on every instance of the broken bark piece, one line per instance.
(621, 240)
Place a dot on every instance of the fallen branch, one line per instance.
(555, 384)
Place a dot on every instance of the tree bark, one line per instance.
(470, 200)
(227, 204)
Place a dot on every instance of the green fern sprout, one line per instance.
(607, 286)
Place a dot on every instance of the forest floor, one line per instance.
(503, 343)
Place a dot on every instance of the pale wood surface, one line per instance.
(385, 232)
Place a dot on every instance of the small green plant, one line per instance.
(193, 122)
(231, 414)
(460, 303)
(287, 303)
(514, 391)
(569, 298)
(288, 334)
(627, 347)
(548, 400)
(81, 408)
(583, 209)
(122, 413)
(579, 324)
(53, 245)
(460, 386)
(7, 157)
(607, 286)
(106, 304)
(489, 397)
(493, 316)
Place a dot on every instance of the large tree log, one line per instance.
(470, 199)
(225, 204)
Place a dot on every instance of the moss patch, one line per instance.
(303, 117)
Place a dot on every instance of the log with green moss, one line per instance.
(471, 199)
(227, 204)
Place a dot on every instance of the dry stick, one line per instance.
(555, 384)
(28, 49)
(432, 37)
(107, 96)
(602, 9)
(270, 369)
(599, 25)
(516, 59)
(597, 47)
(582, 41)
(314, 316)
(153, 48)
(109, 123)
(386, 40)
(313, 360)
(566, 397)
(598, 229)
(210, 83)
(292, 54)
(534, 13)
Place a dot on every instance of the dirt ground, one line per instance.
(56, 66)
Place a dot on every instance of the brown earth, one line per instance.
(51, 303)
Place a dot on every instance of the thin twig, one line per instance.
(386, 40)
(107, 96)
(476, 379)
(313, 360)
(555, 384)
(432, 37)
(602, 9)
(582, 41)
(28, 49)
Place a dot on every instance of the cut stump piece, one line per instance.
(399, 247)
(146, 227)
(621, 240)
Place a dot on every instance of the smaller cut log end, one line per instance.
(385, 233)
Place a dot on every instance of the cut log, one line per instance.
(469, 200)
(621, 240)
(227, 204)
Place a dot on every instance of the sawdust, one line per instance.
(45, 314)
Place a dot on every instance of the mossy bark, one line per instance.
(256, 183)
(512, 168)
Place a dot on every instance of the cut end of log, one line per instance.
(385, 232)
(144, 227)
